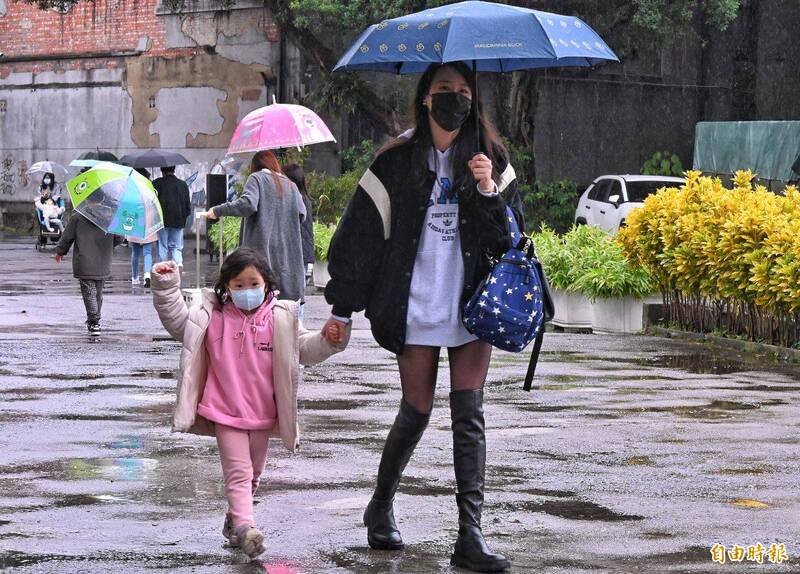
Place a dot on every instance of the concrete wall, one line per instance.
(127, 75)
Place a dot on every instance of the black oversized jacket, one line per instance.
(372, 253)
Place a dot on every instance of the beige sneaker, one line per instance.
(251, 541)
(228, 532)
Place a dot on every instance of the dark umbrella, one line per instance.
(490, 37)
(98, 155)
(154, 158)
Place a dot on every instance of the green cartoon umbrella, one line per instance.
(117, 199)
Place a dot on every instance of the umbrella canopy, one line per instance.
(117, 199)
(153, 158)
(98, 155)
(497, 37)
(278, 126)
(42, 167)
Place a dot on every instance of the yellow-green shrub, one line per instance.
(724, 258)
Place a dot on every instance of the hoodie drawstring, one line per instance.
(240, 333)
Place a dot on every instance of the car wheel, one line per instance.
(580, 222)
(622, 223)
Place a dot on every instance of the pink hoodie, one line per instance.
(239, 391)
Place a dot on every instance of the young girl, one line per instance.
(239, 373)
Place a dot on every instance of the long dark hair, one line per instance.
(265, 159)
(52, 185)
(237, 262)
(464, 144)
(294, 172)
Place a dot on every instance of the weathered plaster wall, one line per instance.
(129, 74)
(190, 81)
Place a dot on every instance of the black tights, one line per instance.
(419, 366)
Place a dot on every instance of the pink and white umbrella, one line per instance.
(278, 126)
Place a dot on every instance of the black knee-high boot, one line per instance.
(382, 532)
(469, 458)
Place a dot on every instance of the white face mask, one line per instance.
(248, 299)
(46, 181)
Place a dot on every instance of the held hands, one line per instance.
(165, 268)
(59, 258)
(481, 167)
(333, 331)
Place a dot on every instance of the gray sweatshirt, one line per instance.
(271, 225)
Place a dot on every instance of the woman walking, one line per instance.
(411, 249)
(272, 210)
(142, 248)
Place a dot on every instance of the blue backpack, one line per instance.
(510, 307)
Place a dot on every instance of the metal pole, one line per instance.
(475, 112)
(197, 236)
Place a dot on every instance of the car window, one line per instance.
(593, 191)
(639, 190)
(599, 190)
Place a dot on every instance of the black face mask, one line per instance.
(450, 109)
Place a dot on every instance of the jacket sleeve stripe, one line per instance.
(370, 183)
(506, 178)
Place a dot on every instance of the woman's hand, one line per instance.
(165, 268)
(481, 167)
(210, 214)
(333, 331)
(59, 258)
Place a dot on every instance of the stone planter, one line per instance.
(573, 310)
(320, 274)
(622, 315)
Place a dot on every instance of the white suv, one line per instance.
(608, 201)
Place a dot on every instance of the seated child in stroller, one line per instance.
(51, 213)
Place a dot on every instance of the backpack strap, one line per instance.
(537, 347)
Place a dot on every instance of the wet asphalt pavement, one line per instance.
(632, 454)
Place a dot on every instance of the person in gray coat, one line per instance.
(272, 210)
(294, 172)
(91, 263)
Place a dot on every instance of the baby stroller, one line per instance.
(46, 235)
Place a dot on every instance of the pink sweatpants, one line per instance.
(243, 454)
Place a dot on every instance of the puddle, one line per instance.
(548, 455)
(152, 374)
(761, 388)
(518, 431)
(60, 390)
(639, 461)
(329, 404)
(571, 387)
(549, 493)
(114, 561)
(713, 410)
(546, 408)
(418, 486)
(749, 503)
(658, 535)
(746, 471)
(127, 442)
(277, 485)
(76, 500)
(79, 417)
(572, 509)
(705, 363)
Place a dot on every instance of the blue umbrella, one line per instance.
(492, 37)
